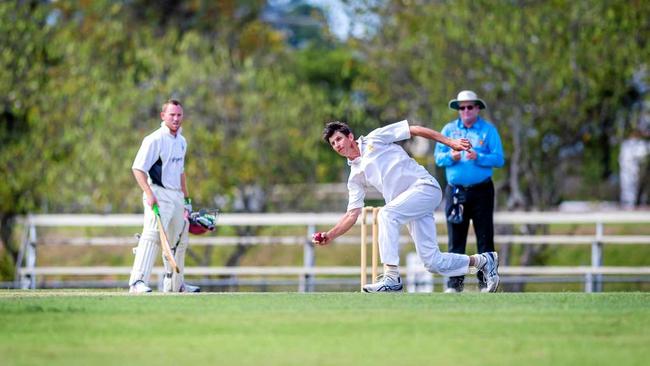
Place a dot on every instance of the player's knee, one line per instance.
(390, 216)
(387, 216)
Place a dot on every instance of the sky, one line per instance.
(338, 17)
(339, 22)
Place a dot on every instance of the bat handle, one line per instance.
(155, 209)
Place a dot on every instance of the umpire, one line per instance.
(469, 194)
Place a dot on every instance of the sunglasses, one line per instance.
(469, 107)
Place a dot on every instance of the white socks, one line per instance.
(479, 261)
(391, 271)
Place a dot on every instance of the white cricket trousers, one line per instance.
(172, 213)
(414, 207)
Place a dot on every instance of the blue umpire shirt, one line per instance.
(485, 141)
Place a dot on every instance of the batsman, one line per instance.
(159, 170)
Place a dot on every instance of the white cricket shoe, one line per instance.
(139, 288)
(167, 287)
(491, 271)
(384, 284)
(451, 290)
(190, 288)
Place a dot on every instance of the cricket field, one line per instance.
(113, 328)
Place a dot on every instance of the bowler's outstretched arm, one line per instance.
(458, 145)
(345, 223)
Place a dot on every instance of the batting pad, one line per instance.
(145, 255)
(174, 281)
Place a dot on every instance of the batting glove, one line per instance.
(188, 204)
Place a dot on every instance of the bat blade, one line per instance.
(164, 242)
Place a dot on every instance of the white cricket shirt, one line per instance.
(162, 157)
(384, 165)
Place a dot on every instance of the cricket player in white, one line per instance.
(159, 170)
(411, 196)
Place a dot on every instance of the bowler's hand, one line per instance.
(320, 238)
(471, 155)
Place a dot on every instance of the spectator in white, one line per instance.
(411, 196)
(634, 150)
(159, 170)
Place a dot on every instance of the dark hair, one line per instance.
(332, 127)
(171, 101)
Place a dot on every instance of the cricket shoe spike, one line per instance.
(139, 288)
(384, 284)
(491, 271)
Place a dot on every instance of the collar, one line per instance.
(168, 131)
(361, 145)
(355, 161)
(477, 124)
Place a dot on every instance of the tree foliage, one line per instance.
(556, 76)
(82, 83)
(86, 83)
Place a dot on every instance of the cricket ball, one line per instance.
(319, 237)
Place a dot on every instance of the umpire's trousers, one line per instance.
(478, 208)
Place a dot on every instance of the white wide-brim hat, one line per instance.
(467, 96)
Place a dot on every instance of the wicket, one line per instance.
(364, 241)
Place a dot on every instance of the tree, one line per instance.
(557, 76)
(541, 67)
(87, 82)
(27, 145)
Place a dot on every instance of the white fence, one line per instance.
(27, 270)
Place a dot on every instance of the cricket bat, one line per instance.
(164, 241)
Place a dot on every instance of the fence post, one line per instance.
(418, 279)
(27, 278)
(307, 280)
(597, 258)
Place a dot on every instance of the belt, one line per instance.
(473, 186)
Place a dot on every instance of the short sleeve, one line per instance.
(147, 155)
(397, 131)
(356, 191)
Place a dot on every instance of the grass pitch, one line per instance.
(110, 328)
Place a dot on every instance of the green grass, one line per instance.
(100, 328)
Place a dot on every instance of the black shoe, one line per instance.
(482, 283)
(455, 284)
